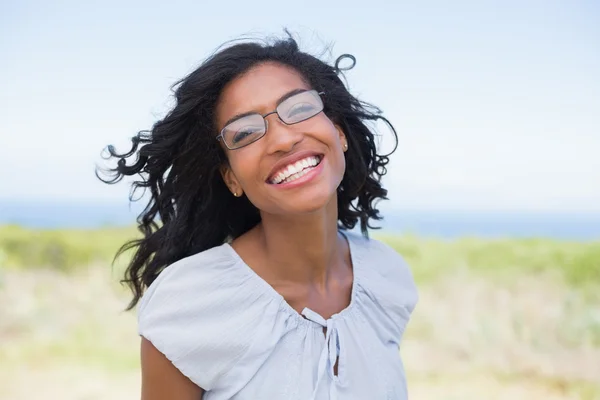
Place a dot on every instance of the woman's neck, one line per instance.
(302, 248)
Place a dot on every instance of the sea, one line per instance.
(447, 224)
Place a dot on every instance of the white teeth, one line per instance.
(296, 176)
(295, 170)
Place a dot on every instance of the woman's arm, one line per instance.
(161, 380)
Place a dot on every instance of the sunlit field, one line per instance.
(497, 319)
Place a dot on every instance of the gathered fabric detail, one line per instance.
(331, 354)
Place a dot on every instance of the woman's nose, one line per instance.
(280, 136)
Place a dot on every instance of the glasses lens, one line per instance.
(244, 131)
(300, 107)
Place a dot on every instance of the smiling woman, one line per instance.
(248, 282)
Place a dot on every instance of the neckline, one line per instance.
(352, 248)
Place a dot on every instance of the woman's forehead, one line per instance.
(258, 90)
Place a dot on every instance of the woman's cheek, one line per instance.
(246, 168)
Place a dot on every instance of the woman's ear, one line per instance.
(342, 137)
(230, 180)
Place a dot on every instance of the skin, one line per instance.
(296, 248)
(161, 380)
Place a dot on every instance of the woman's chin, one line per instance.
(308, 203)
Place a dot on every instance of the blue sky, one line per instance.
(496, 104)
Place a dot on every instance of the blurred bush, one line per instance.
(63, 250)
(578, 263)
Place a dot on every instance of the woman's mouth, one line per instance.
(296, 170)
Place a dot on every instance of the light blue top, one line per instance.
(232, 334)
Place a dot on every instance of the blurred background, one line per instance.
(494, 189)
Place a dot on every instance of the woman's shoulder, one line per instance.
(204, 313)
(211, 278)
(386, 276)
(188, 270)
(381, 267)
(380, 256)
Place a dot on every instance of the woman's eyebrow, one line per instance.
(289, 94)
(239, 116)
(279, 101)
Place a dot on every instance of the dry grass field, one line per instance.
(498, 319)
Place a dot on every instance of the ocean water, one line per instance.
(444, 224)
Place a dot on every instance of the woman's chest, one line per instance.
(301, 367)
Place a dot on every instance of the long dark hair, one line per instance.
(190, 209)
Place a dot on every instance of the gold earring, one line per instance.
(235, 194)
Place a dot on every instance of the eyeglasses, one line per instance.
(249, 128)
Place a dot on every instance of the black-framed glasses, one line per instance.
(249, 128)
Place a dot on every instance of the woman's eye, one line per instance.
(301, 108)
(244, 133)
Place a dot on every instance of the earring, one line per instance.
(345, 146)
(235, 194)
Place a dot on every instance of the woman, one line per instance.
(250, 286)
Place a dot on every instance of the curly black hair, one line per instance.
(190, 209)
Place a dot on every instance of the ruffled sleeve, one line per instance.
(204, 314)
(388, 283)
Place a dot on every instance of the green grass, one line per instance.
(578, 263)
(65, 249)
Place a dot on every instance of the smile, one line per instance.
(296, 170)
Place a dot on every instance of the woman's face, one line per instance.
(278, 172)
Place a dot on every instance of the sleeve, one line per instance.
(191, 314)
(391, 285)
(397, 271)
